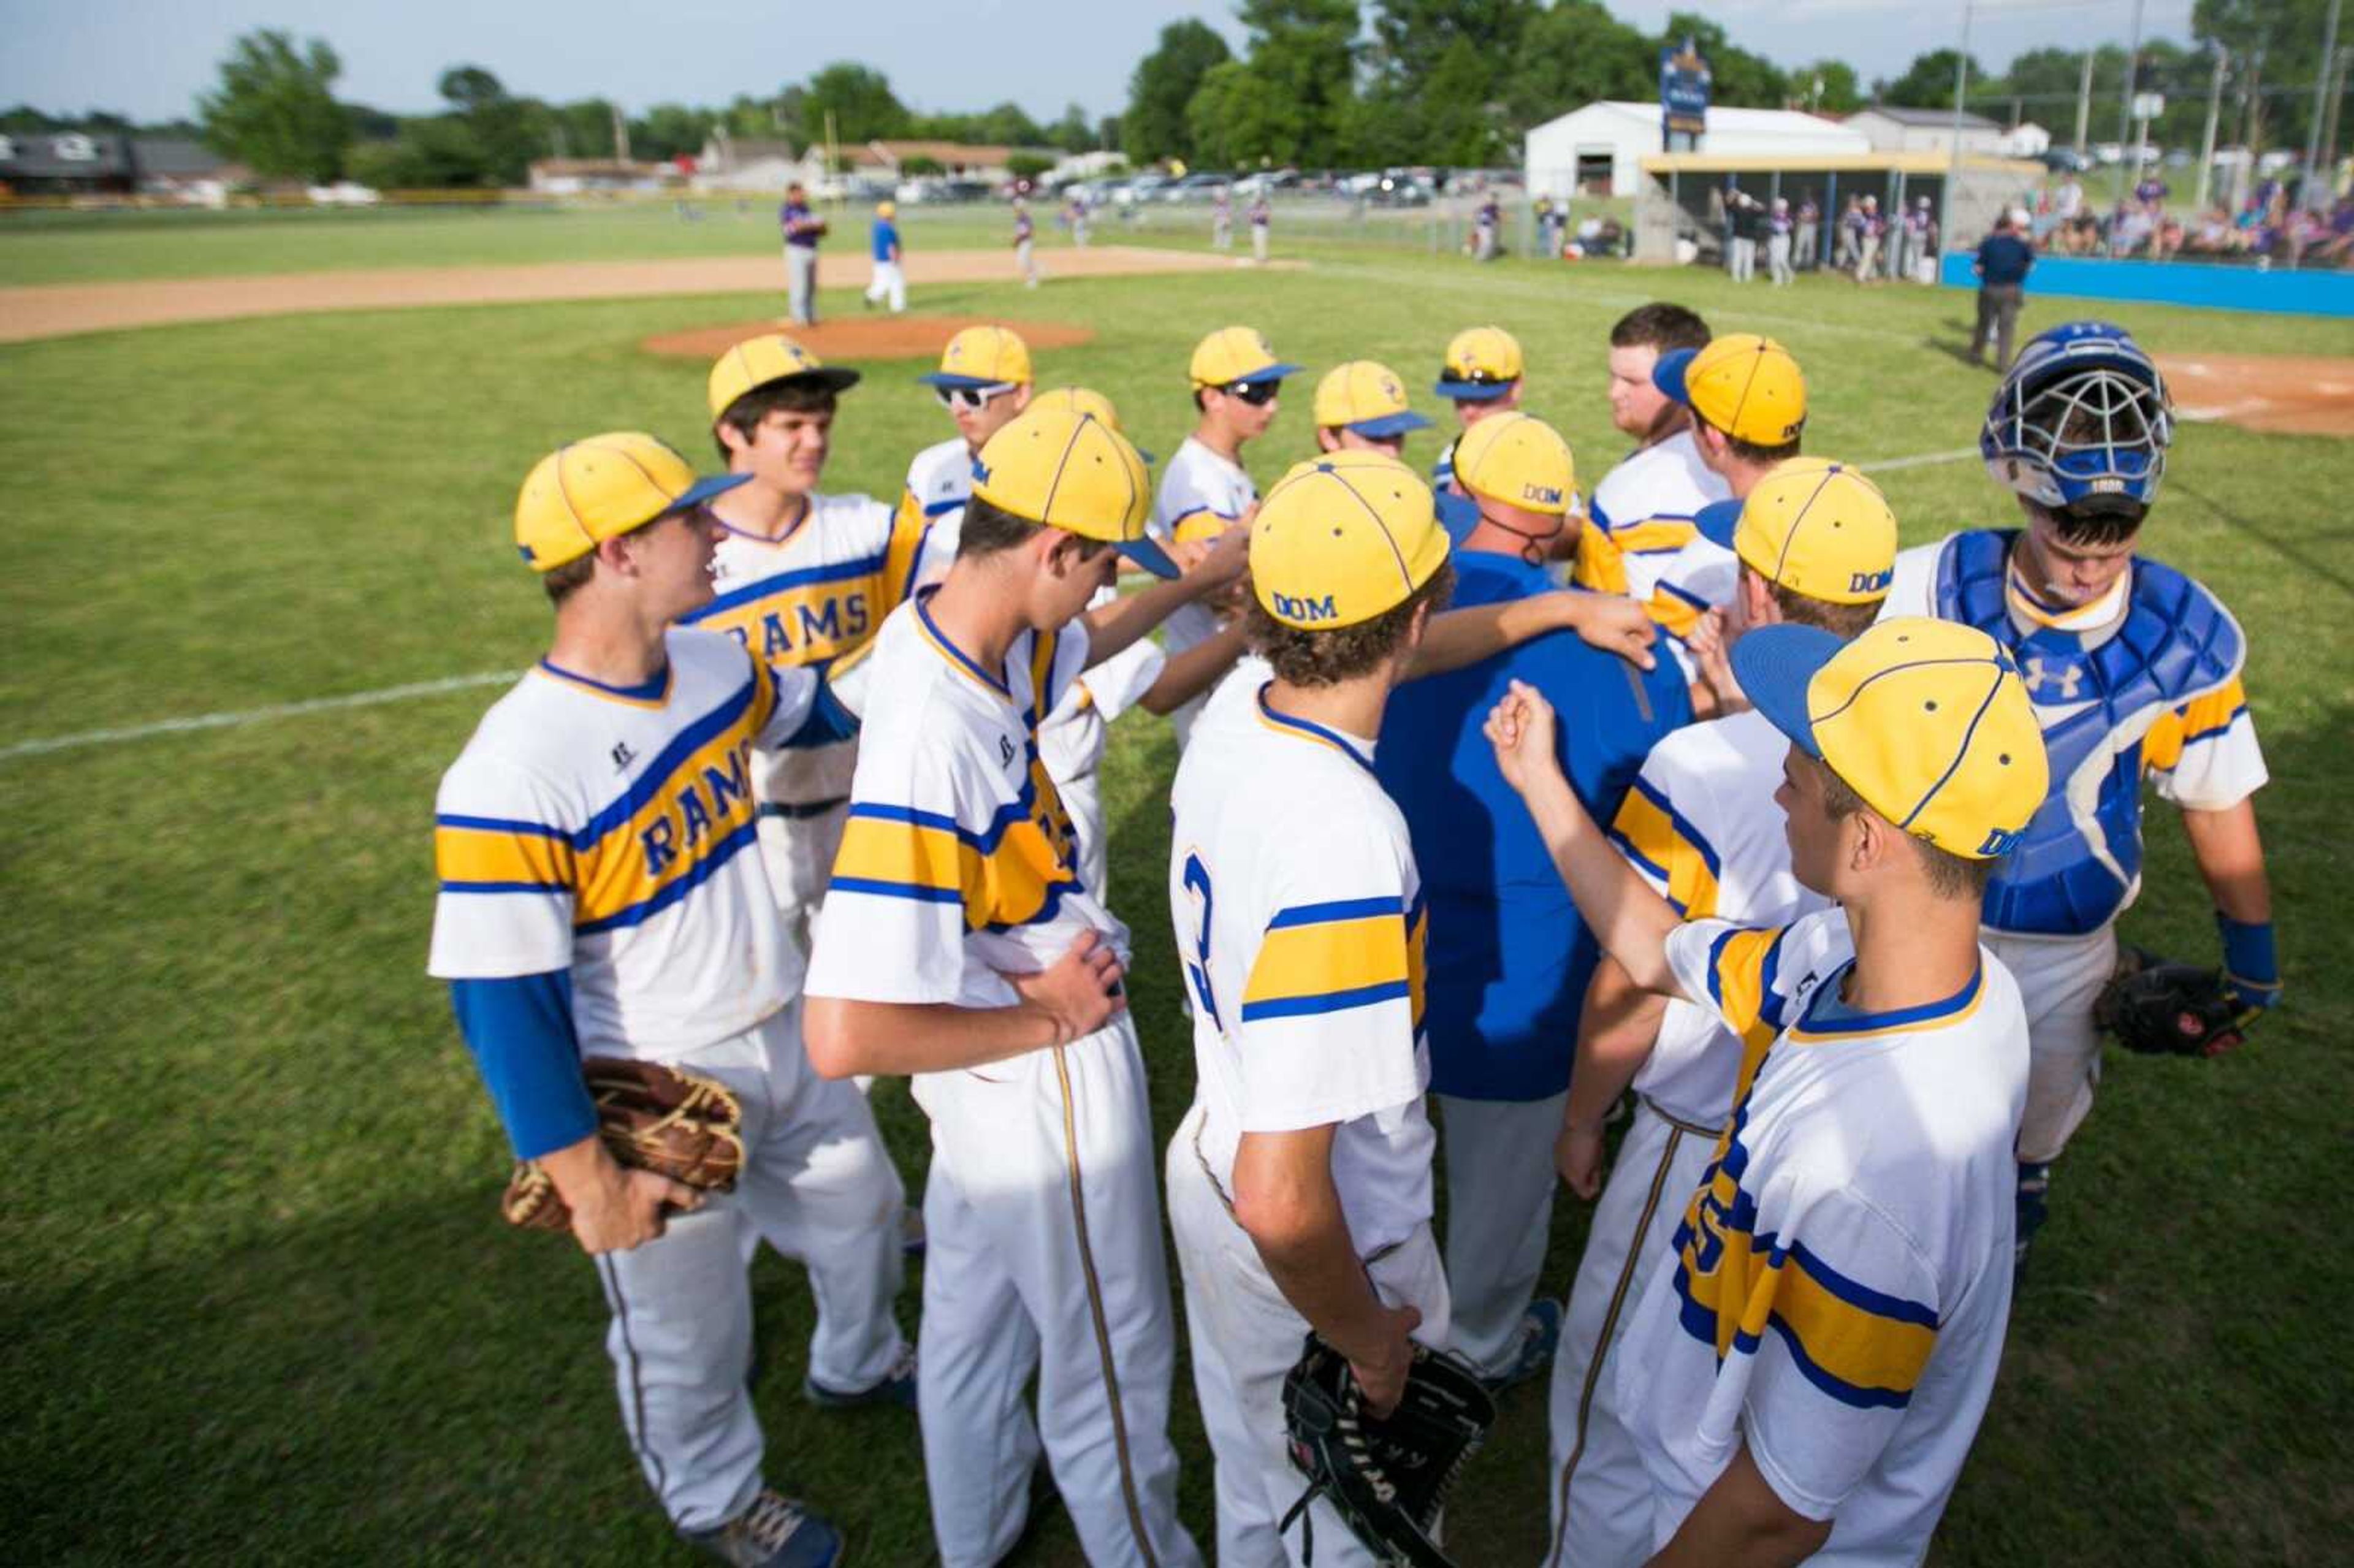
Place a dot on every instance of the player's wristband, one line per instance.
(2251, 966)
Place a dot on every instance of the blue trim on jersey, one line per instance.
(827, 721)
(1337, 910)
(800, 577)
(1854, 1292)
(1330, 1001)
(1840, 1021)
(924, 613)
(2224, 728)
(942, 508)
(1683, 825)
(652, 691)
(914, 892)
(684, 744)
(1313, 731)
(519, 1031)
(1827, 1383)
(671, 893)
(498, 825)
(563, 888)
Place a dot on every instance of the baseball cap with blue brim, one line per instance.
(1236, 356)
(588, 492)
(1064, 469)
(1367, 398)
(1482, 364)
(1814, 526)
(1745, 385)
(1342, 538)
(985, 356)
(1084, 400)
(1926, 720)
(758, 362)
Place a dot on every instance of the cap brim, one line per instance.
(1267, 373)
(1148, 459)
(943, 379)
(1472, 391)
(1459, 515)
(1668, 375)
(1146, 552)
(703, 490)
(1388, 425)
(1775, 665)
(832, 377)
(1717, 520)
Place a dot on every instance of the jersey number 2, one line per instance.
(1197, 967)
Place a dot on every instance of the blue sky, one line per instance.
(149, 58)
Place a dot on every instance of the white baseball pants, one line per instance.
(2058, 978)
(819, 1186)
(801, 284)
(1601, 1498)
(888, 283)
(1500, 1186)
(1044, 1253)
(1245, 1336)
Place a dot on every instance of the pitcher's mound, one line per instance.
(2284, 393)
(860, 337)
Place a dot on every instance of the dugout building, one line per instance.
(1681, 197)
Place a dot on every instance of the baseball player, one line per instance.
(1639, 538)
(889, 283)
(1778, 225)
(1870, 227)
(1807, 1371)
(1222, 219)
(803, 228)
(1485, 223)
(1205, 491)
(1262, 218)
(1816, 542)
(1361, 405)
(959, 947)
(1025, 250)
(1508, 959)
(2134, 669)
(985, 379)
(595, 901)
(1300, 1185)
(1481, 375)
(803, 578)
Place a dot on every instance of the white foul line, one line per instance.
(47, 744)
(252, 715)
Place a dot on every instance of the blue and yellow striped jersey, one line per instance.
(603, 832)
(1841, 1278)
(1639, 539)
(1301, 930)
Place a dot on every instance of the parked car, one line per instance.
(1196, 188)
(2066, 161)
(1140, 190)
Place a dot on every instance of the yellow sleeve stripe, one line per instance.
(1200, 527)
(483, 855)
(1600, 566)
(1669, 849)
(2205, 718)
(1349, 957)
(1674, 613)
(1741, 979)
(1860, 1346)
(1417, 960)
(906, 543)
(1654, 536)
(893, 851)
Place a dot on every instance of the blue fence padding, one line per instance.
(2214, 286)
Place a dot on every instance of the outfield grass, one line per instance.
(260, 1304)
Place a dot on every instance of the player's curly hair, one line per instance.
(1949, 875)
(1345, 653)
(744, 415)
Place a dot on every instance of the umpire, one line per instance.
(2004, 257)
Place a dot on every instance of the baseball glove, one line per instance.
(2163, 1009)
(678, 1124)
(1387, 1478)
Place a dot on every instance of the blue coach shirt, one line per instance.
(1509, 958)
(2004, 259)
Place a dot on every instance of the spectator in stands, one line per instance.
(2337, 246)
(1851, 234)
(1809, 230)
(2004, 257)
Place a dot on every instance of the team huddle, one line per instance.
(1500, 807)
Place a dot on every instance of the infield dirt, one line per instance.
(858, 337)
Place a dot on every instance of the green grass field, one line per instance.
(258, 1306)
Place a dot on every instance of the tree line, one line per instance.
(1319, 83)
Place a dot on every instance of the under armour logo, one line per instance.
(1004, 751)
(2069, 678)
(623, 755)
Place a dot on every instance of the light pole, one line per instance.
(2206, 144)
(2315, 185)
(1954, 163)
(2125, 105)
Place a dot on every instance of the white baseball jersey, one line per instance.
(940, 482)
(819, 591)
(1701, 826)
(957, 860)
(1200, 493)
(602, 833)
(1842, 1279)
(1300, 929)
(1639, 538)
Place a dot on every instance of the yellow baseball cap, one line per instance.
(1342, 538)
(885, 209)
(1368, 399)
(601, 488)
(1481, 363)
(1518, 461)
(1815, 526)
(982, 356)
(757, 361)
(1925, 719)
(1231, 356)
(1084, 400)
(1745, 385)
(1073, 471)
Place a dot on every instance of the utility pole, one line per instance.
(2125, 94)
(620, 135)
(2084, 106)
(1954, 162)
(2336, 92)
(2206, 144)
(2315, 185)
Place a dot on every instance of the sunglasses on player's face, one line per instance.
(972, 399)
(1258, 394)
